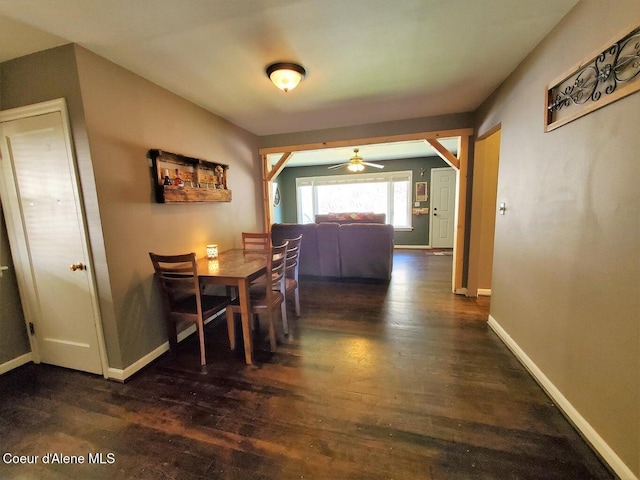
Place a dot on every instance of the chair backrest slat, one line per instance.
(256, 241)
(177, 276)
(293, 255)
(276, 268)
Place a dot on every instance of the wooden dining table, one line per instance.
(237, 268)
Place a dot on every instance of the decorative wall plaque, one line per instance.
(609, 76)
(179, 178)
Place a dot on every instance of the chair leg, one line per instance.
(232, 292)
(172, 332)
(231, 328)
(203, 356)
(283, 312)
(272, 331)
(296, 295)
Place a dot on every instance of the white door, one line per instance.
(48, 240)
(443, 202)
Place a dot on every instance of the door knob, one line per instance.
(78, 266)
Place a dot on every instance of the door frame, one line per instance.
(479, 212)
(459, 163)
(16, 230)
(454, 213)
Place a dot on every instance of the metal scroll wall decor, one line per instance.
(609, 76)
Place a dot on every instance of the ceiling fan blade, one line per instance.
(338, 166)
(375, 165)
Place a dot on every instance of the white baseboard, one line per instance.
(587, 431)
(411, 247)
(484, 292)
(122, 374)
(112, 373)
(16, 362)
(117, 374)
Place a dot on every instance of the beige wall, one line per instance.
(127, 115)
(566, 278)
(370, 130)
(116, 117)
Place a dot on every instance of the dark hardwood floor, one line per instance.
(401, 381)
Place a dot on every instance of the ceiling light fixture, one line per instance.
(286, 76)
(355, 163)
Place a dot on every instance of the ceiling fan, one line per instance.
(355, 163)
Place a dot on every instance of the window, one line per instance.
(387, 193)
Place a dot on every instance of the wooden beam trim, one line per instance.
(462, 132)
(461, 227)
(277, 168)
(443, 153)
(267, 209)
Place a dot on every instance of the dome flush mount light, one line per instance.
(286, 76)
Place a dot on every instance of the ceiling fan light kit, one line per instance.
(355, 163)
(285, 75)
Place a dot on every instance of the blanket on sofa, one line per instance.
(351, 217)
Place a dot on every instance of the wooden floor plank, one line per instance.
(399, 380)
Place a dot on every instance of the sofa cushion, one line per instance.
(328, 249)
(366, 250)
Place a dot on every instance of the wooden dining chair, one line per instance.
(182, 298)
(291, 272)
(265, 297)
(256, 241)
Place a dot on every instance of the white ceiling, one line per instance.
(368, 61)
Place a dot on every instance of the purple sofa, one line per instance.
(356, 250)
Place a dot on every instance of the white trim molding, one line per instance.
(121, 375)
(484, 292)
(587, 431)
(16, 362)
